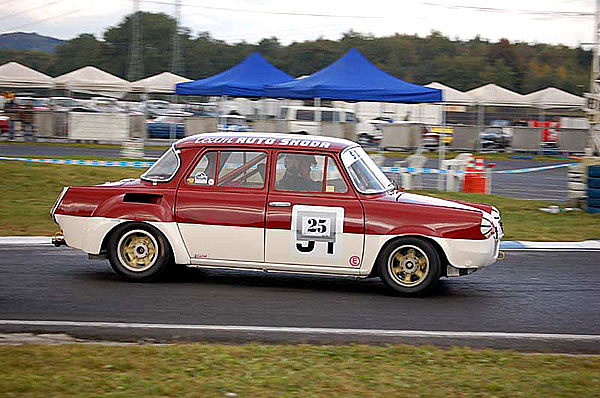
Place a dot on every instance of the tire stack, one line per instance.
(577, 186)
(593, 189)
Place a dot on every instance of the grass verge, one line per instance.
(201, 370)
(523, 219)
(29, 191)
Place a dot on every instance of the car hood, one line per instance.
(437, 202)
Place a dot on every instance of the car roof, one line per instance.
(265, 140)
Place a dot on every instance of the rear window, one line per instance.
(165, 168)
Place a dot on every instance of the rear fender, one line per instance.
(138, 207)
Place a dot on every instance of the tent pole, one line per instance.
(318, 115)
(264, 115)
(442, 149)
(480, 118)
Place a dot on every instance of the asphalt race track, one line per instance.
(550, 185)
(541, 301)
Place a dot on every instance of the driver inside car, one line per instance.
(297, 175)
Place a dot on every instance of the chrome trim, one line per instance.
(280, 204)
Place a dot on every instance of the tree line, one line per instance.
(464, 65)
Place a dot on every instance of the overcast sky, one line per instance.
(567, 22)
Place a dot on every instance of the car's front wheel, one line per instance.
(138, 252)
(410, 266)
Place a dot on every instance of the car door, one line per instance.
(316, 221)
(220, 207)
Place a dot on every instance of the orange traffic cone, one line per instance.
(475, 180)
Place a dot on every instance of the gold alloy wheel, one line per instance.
(137, 250)
(408, 265)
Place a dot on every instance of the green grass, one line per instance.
(29, 191)
(524, 221)
(201, 370)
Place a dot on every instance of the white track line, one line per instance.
(321, 331)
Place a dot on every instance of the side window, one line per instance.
(334, 182)
(242, 169)
(299, 172)
(305, 114)
(204, 172)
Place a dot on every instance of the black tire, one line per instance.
(593, 182)
(138, 252)
(594, 171)
(417, 273)
(593, 193)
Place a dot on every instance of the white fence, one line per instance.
(99, 126)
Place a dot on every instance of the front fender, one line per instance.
(422, 230)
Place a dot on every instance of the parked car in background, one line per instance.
(498, 136)
(233, 123)
(371, 131)
(277, 202)
(202, 108)
(4, 124)
(62, 104)
(302, 119)
(432, 135)
(166, 127)
(105, 104)
(154, 108)
(37, 104)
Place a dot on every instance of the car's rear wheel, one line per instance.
(138, 252)
(410, 266)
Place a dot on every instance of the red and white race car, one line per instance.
(275, 202)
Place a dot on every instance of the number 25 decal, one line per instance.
(317, 226)
(316, 229)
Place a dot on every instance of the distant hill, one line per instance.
(29, 41)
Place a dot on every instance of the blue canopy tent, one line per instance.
(353, 78)
(246, 79)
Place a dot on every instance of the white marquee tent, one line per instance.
(92, 80)
(15, 75)
(494, 95)
(451, 95)
(163, 83)
(553, 97)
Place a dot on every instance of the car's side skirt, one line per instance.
(274, 267)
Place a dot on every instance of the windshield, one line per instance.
(164, 169)
(364, 173)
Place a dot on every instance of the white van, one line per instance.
(302, 119)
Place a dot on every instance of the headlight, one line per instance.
(496, 215)
(486, 227)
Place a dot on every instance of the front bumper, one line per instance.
(471, 254)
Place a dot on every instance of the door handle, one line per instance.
(280, 204)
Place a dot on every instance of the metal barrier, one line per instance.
(200, 124)
(400, 135)
(465, 138)
(572, 140)
(98, 126)
(526, 139)
(339, 130)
